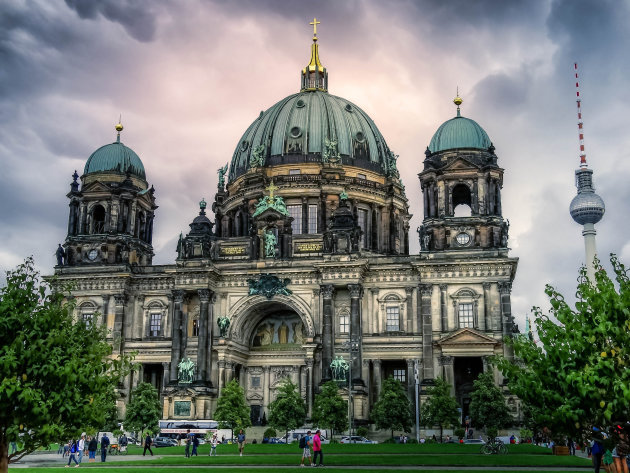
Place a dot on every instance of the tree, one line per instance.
(232, 411)
(576, 375)
(330, 411)
(487, 405)
(144, 410)
(288, 411)
(57, 375)
(440, 408)
(393, 410)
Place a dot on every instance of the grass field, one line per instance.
(256, 469)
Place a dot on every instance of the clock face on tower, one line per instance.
(92, 254)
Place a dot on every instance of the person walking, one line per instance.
(74, 448)
(597, 449)
(213, 445)
(622, 448)
(81, 446)
(92, 446)
(188, 443)
(305, 445)
(317, 449)
(241, 442)
(147, 445)
(104, 447)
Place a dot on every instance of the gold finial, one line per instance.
(118, 128)
(271, 189)
(457, 101)
(314, 23)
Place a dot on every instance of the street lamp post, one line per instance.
(417, 380)
(353, 347)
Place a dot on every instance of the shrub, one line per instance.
(362, 431)
(459, 432)
(270, 432)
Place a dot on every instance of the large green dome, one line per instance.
(115, 157)
(297, 128)
(459, 132)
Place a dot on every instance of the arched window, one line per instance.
(465, 303)
(155, 318)
(462, 201)
(98, 219)
(86, 312)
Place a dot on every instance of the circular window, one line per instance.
(463, 238)
(360, 137)
(300, 103)
(349, 108)
(244, 145)
(296, 132)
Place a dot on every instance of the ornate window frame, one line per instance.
(343, 315)
(466, 296)
(155, 307)
(388, 301)
(87, 309)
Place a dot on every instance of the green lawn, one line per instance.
(255, 469)
(348, 459)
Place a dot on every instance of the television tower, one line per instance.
(587, 208)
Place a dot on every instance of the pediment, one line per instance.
(466, 336)
(270, 214)
(461, 164)
(254, 397)
(96, 186)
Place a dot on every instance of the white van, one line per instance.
(295, 435)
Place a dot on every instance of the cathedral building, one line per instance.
(305, 270)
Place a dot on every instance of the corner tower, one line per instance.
(461, 184)
(111, 215)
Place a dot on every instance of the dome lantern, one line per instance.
(314, 75)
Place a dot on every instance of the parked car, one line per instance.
(164, 442)
(356, 439)
(475, 441)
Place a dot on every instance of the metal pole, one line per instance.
(350, 397)
(417, 379)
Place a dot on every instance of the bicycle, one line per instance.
(494, 448)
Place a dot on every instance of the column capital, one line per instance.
(376, 363)
(309, 362)
(327, 290)
(505, 287)
(120, 299)
(204, 295)
(445, 360)
(486, 285)
(409, 290)
(356, 290)
(105, 298)
(178, 295)
(425, 289)
(410, 363)
(221, 363)
(267, 369)
(443, 287)
(366, 362)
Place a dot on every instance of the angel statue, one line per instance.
(222, 172)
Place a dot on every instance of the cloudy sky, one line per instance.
(189, 77)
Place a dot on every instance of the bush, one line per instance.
(270, 432)
(363, 431)
(491, 433)
(459, 432)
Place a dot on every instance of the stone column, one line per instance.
(119, 320)
(446, 362)
(266, 382)
(202, 341)
(178, 299)
(309, 386)
(505, 288)
(409, 312)
(376, 365)
(221, 365)
(443, 308)
(209, 330)
(365, 374)
(486, 306)
(426, 291)
(411, 380)
(105, 309)
(165, 374)
(356, 292)
(327, 330)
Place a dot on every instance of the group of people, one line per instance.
(307, 443)
(86, 445)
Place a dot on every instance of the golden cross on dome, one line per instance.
(314, 23)
(271, 189)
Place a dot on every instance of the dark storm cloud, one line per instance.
(137, 17)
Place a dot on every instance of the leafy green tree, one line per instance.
(56, 375)
(487, 405)
(232, 411)
(288, 411)
(112, 417)
(144, 410)
(440, 408)
(330, 411)
(393, 410)
(577, 375)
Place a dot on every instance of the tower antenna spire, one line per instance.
(583, 164)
